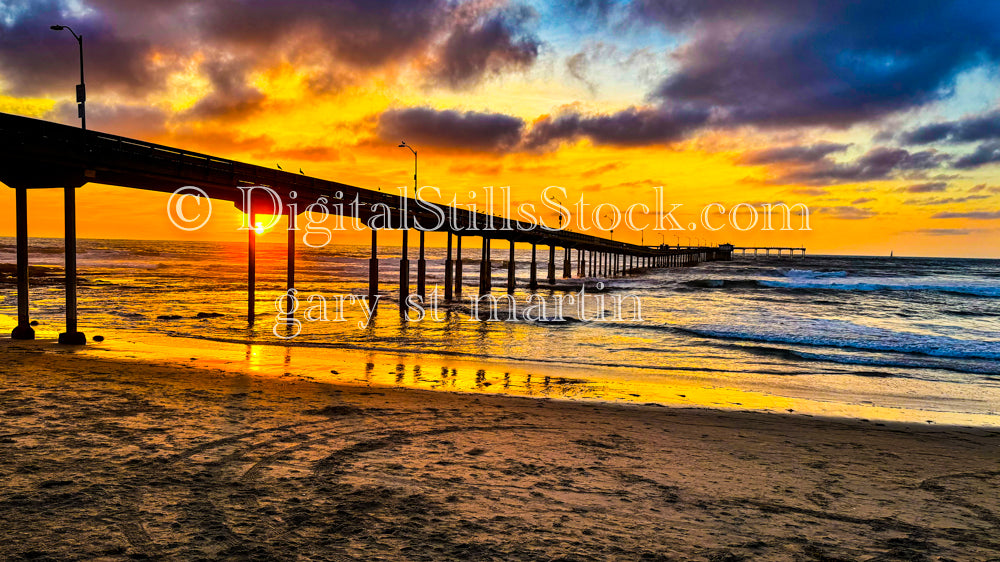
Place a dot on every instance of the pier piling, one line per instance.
(533, 279)
(373, 275)
(404, 271)
(552, 264)
(290, 281)
(422, 271)
(71, 336)
(511, 270)
(448, 272)
(23, 330)
(458, 267)
(252, 268)
(485, 269)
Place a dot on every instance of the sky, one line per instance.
(881, 116)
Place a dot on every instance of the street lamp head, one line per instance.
(402, 144)
(57, 27)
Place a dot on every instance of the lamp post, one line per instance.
(402, 144)
(556, 200)
(72, 336)
(81, 88)
(421, 262)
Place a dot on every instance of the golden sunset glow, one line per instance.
(299, 99)
(707, 280)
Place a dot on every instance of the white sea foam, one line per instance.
(844, 334)
(874, 284)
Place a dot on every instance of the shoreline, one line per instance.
(844, 396)
(116, 459)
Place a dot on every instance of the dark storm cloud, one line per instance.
(629, 127)
(230, 96)
(360, 32)
(491, 132)
(986, 153)
(130, 47)
(494, 43)
(495, 132)
(820, 62)
(972, 129)
(34, 60)
(467, 41)
(798, 154)
(877, 164)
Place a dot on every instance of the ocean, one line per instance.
(900, 337)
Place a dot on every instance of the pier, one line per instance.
(766, 250)
(37, 154)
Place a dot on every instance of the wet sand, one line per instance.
(106, 459)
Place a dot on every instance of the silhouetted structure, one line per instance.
(37, 154)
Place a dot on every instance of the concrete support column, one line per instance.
(373, 274)
(404, 272)
(252, 269)
(489, 265)
(422, 271)
(567, 268)
(458, 267)
(290, 254)
(511, 270)
(533, 279)
(448, 274)
(485, 270)
(72, 336)
(552, 265)
(23, 330)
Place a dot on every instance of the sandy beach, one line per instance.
(108, 459)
